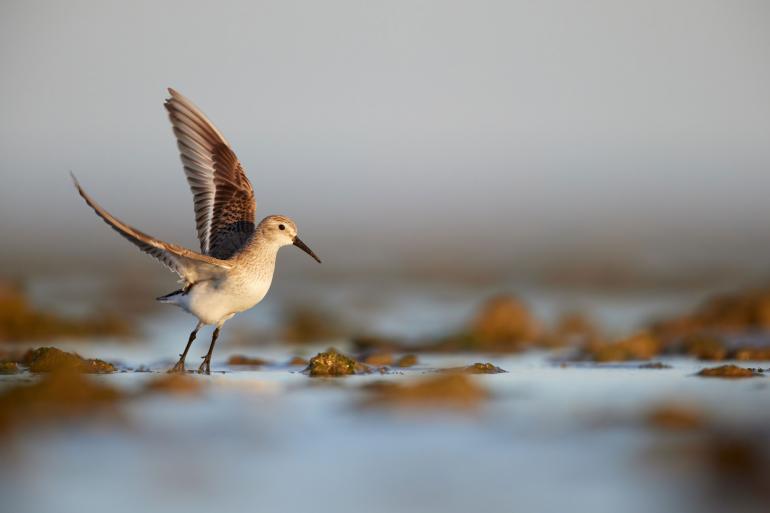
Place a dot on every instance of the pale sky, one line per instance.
(389, 129)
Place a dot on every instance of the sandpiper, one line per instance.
(234, 268)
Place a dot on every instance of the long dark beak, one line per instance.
(301, 245)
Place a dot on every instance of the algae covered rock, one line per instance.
(483, 368)
(728, 371)
(9, 368)
(334, 363)
(477, 368)
(51, 359)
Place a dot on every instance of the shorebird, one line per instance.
(235, 266)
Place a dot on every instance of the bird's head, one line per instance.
(283, 231)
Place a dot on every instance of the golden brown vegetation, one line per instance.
(20, 321)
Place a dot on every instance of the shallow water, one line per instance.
(550, 439)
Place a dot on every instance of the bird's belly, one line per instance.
(215, 303)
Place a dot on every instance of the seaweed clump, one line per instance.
(728, 371)
(51, 359)
(333, 363)
(450, 390)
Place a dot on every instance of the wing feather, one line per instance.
(222, 195)
(189, 265)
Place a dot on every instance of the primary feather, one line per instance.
(222, 195)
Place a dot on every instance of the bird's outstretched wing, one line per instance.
(189, 265)
(223, 197)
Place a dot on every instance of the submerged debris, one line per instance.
(728, 371)
(239, 359)
(450, 390)
(334, 363)
(408, 360)
(51, 359)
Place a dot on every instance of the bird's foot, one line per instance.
(179, 367)
(205, 367)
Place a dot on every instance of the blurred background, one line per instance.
(598, 169)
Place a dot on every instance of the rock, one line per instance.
(728, 371)
(51, 359)
(477, 368)
(297, 360)
(333, 363)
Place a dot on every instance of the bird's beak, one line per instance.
(301, 245)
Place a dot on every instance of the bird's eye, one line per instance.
(281, 227)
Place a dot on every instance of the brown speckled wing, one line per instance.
(189, 265)
(222, 195)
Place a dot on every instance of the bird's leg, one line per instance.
(205, 367)
(179, 367)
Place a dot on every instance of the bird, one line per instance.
(234, 269)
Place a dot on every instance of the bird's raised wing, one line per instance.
(222, 195)
(189, 265)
